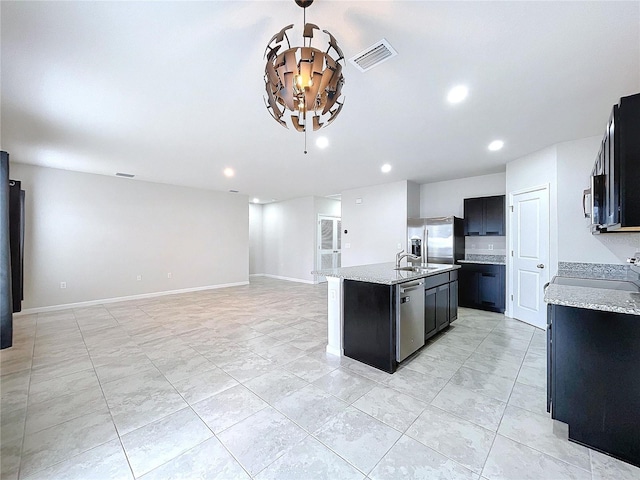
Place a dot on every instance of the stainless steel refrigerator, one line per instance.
(440, 239)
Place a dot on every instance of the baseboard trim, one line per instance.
(278, 277)
(89, 303)
(334, 351)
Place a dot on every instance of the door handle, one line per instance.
(540, 265)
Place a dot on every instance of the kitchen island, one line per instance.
(379, 314)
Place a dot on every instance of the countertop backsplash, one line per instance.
(485, 246)
(477, 257)
(606, 271)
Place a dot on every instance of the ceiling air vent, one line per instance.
(233, 191)
(125, 175)
(374, 55)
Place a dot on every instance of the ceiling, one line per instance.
(173, 91)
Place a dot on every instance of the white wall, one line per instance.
(536, 169)
(443, 199)
(256, 260)
(485, 245)
(98, 233)
(289, 236)
(377, 226)
(413, 199)
(327, 206)
(575, 241)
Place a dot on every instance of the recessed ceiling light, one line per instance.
(457, 94)
(322, 142)
(386, 168)
(229, 172)
(256, 200)
(496, 145)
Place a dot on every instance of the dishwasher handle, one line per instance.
(409, 286)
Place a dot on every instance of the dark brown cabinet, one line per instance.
(484, 216)
(369, 330)
(436, 310)
(370, 311)
(482, 287)
(592, 378)
(616, 197)
(440, 302)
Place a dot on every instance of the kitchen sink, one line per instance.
(621, 285)
(416, 269)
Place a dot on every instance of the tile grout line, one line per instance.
(484, 464)
(124, 451)
(26, 408)
(450, 413)
(61, 423)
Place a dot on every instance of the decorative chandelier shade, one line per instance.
(303, 80)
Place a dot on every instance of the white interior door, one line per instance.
(329, 244)
(530, 255)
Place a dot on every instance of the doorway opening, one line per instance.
(529, 256)
(328, 244)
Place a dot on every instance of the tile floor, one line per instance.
(235, 384)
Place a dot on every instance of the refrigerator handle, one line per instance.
(425, 246)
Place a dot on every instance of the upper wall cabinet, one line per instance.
(484, 216)
(615, 192)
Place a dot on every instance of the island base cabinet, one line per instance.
(594, 380)
(369, 333)
(453, 300)
(437, 300)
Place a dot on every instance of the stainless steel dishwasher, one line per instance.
(409, 318)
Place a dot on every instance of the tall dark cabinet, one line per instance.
(11, 250)
(16, 241)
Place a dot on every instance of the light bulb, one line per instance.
(496, 145)
(457, 94)
(322, 142)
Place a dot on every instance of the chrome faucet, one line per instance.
(635, 260)
(400, 255)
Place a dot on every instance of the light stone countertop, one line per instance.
(603, 299)
(482, 262)
(384, 273)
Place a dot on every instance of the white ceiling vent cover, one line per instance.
(374, 55)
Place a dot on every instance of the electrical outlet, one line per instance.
(491, 246)
(347, 245)
(169, 275)
(399, 246)
(139, 277)
(63, 284)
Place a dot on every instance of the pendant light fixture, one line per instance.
(303, 84)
